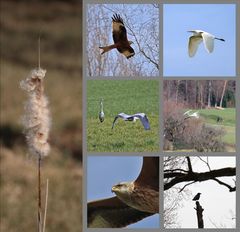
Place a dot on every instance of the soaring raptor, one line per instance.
(121, 42)
(134, 200)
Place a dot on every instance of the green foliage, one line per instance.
(126, 96)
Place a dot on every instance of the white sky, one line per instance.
(218, 203)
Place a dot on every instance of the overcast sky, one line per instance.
(217, 19)
(105, 171)
(218, 203)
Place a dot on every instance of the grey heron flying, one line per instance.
(189, 114)
(199, 36)
(101, 113)
(142, 116)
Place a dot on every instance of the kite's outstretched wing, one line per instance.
(112, 213)
(120, 37)
(119, 30)
(149, 175)
(144, 120)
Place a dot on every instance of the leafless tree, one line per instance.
(179, 174)
(204, 94)
(142, 23)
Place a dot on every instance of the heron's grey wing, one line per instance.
(208, 41)
(144, 120)
(149, 174)
(193, 45)
(112, 213)
(120, 115)
(124, 116)
(114, 121)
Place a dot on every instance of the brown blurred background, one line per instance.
(59, 23)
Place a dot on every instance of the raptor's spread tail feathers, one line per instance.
(107, 48)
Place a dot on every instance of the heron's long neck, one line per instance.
(101, 106)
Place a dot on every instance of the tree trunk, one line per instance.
(223, 93)
(209, 94)
(186, 91)
(177, 91)
(199, 211)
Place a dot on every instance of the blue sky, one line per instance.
(217, 19)
(105, 171)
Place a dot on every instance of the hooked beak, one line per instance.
(114, 189)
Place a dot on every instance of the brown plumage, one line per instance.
(133, 201)
(121, 42)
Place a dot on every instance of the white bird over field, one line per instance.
(134, 117)
(189, 114)
(199, 36)
(101, 113)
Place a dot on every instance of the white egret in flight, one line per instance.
(101, 113)
(189, 114)
(142, 116)
(199, 36)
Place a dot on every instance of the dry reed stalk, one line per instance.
(36, 121)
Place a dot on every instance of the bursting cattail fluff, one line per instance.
(36, 119)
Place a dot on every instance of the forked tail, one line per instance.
(107, 48)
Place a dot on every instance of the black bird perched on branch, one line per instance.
(196, 198)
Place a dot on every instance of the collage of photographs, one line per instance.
(119, 115)
(159, 115)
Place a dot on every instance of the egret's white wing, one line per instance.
(196, 114)
(187, 112)
(193, 43)
(208, 41)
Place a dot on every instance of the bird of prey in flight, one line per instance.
(142, 116)
(121, 42)
(134, 200)
(197, 197)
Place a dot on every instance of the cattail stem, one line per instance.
(45, 208)
(39, 52)
(39, 196)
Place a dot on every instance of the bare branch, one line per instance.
(186, 186)
(200, 176)
(231, 189)
(189, 164)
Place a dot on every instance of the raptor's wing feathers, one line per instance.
(149, 174)
(112, 213)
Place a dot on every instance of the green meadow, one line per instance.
(228, 123)
(128, 96)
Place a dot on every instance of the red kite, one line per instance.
(134, 200)
(121, 43)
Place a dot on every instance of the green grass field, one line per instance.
(128, 96)
(228, 123)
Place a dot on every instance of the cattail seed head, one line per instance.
(36, 120)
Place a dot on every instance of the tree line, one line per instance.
(201, 93)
